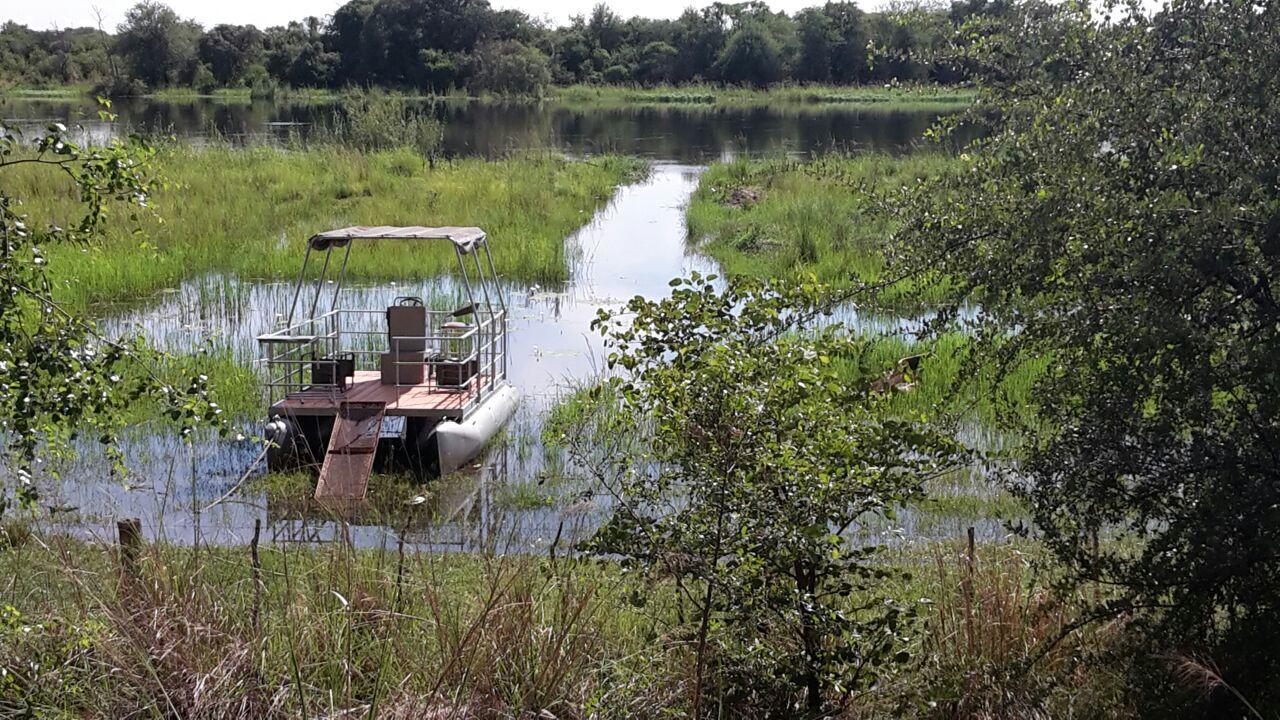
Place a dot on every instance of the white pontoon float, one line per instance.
(338, 378)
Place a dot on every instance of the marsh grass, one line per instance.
(907, 97)
(791, 218)
(1000, 642)
(823, 218)
(239, 95)
(952, 380)
(248, 212)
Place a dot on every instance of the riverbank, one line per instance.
(247, 212)
(913, 97)
(280, 630)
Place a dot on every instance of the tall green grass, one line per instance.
(248, 211)
(826, 217)
(787, 218)
(909, 96)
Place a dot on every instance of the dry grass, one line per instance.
(327, 632)
(1000, 642)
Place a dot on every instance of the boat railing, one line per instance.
(319, 354)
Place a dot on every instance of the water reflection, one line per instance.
(690, 134)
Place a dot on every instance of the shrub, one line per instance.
(761, 460)
(511, 68)
(377, 121)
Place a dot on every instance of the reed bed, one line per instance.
(783, 217)
(247, 212)
(915, 97)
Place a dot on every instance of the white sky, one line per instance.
(44, 14)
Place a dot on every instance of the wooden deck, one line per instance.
(425, 400)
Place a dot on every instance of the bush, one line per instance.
(760, 464)
(511, 68)
(1121, 217)
(376, 121)
(202, 79)
(120, 87)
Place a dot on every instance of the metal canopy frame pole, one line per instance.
(297, 290)
(502, 303)
(324, 272)
(484, 284)
(342, 277)
(487, 336)
(466, 282)
(471, 300)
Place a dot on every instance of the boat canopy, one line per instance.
(464, 238)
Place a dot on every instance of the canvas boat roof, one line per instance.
(465, 238)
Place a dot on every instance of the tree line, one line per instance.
(439, 46)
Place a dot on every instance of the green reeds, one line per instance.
(914, 97)
(787, 218)
(248, 212)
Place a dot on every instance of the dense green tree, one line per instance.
(511, 68)
(656, 63)
(753, 455)
(432, 45)
(816, 36)
(396, 31)
(700, 37)
(160, 47)
(604, 28)
(346, 27)
(296, 54)
(229, 50)
(750, 57)
(1122, 219)
(849, 51)
(572, 55)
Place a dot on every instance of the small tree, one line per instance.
(1122, 219)
(158, 44)
(750, 57)
(230, 50)
(58, 376)
(511, 68)
(764, 456)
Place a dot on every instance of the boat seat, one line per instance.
(407, 326)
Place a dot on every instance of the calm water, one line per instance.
(632, 247)
(687, 134)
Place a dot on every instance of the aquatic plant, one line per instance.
(247, 212)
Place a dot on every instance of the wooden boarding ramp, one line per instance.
(344, 477)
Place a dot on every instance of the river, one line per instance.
(633, 246)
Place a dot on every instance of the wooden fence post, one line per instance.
(130, 539)
(255, 564)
